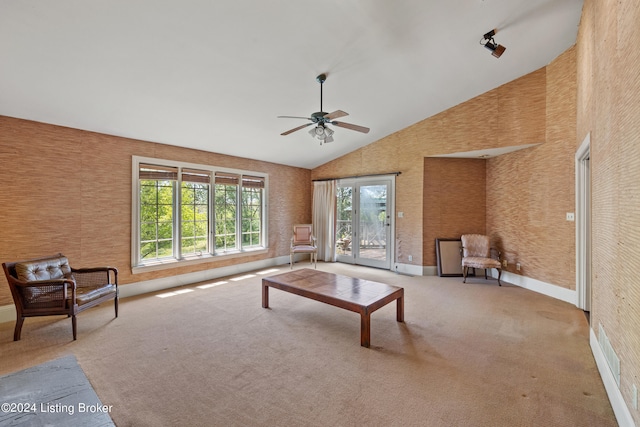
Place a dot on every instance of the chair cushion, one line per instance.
(479, 262)
(303, 248)
(44, 269)
(85, 295)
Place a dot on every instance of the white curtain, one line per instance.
(324, 218)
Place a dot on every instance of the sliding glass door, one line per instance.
(364, 229)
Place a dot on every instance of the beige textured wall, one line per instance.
(518, 209)
(512, 114)
(67, 190)
(529, 192)
(609, 108)
(454, 200)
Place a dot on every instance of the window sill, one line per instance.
(193, 260)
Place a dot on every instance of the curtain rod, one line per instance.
(358, 176)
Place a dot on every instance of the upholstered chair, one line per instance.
(303, 242)
(476, 253)
(50, 286)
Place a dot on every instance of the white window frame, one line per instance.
(138, 266)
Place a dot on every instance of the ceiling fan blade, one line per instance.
(295, 129)
(294, 117)
(350, 126)
(335, 115)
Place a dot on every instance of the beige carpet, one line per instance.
(471, 354)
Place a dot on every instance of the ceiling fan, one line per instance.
(322, 119)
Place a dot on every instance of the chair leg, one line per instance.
(499, 274)
(18, 329)
(485, 274)
(464, 274)
(116, 304)
(74, 326)
(291, 260)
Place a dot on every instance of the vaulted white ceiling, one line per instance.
(215, 74)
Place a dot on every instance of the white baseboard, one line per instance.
(408, 269)
(535, 285)
(147, 286)
(8, 312)
(620, 409)
(554, 291)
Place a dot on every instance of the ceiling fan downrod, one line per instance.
(321, 79)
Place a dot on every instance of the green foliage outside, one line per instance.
(225, 217)
(157, 218)
(194, 218)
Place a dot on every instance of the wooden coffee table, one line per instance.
(358, 295)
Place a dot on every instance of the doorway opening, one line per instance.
(583, 225)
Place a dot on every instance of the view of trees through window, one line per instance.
(226, 202)
(195, 218)
(344, 235)
(251, 216)
(156, 219)
(233, 222)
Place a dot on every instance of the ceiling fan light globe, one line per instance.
(329, 132)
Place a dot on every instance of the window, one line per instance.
(194, 212)
(226, 203)
(184, 212)
(252, 211)
(156, 211)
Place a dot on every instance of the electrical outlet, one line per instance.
(410, 257)
(571, 216)
(518, 266)
(505, 263)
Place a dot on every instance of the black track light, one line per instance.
(487, 41)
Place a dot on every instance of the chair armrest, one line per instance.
(94, 269)
(41, 283)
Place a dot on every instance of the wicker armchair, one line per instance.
(49, 286)
(476, 253)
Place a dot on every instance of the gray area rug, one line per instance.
(56, 393)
